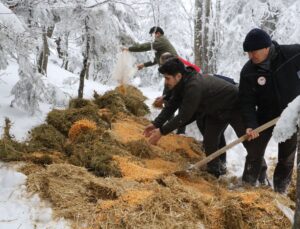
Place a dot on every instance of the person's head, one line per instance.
(157, 31)
(257, 44)
(173, 71)
(164, 57)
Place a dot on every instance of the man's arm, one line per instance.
(189, 106)
(167, 112)
(150, 63)
(143, 47)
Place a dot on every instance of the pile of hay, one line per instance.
(46, 137)
(126, 99)
(62, 120)
(254, 209)
(139, 189)
(72, 191)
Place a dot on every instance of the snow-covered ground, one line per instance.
(19, 209)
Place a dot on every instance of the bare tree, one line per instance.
(205, 37)
(85, 67)
(43, 58)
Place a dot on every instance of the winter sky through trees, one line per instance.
(109, 25)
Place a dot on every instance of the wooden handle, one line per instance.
(232, 144)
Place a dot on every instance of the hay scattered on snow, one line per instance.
(72, 191)
(147, 196)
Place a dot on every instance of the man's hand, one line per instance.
(159, 101)
(140, 66)
(155, 136)
(251, 134)
(148, 130)
(124, 49)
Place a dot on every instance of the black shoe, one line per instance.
(281, 185)
(280, 190)
(263, 179)
(214, 170)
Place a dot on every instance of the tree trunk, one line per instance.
(85, 61)
(198, 32)
(65, 51)
(43, 59)
(297, 211)
(58, 47)
(205, 37)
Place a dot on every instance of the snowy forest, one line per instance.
(55, 51)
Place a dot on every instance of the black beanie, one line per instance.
(256, 39)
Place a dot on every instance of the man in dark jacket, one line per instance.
(196, 95)
(269, 81)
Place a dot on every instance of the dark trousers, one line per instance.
(221, 143)
(255, 163)
(214, 129)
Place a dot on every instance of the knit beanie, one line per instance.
(256, 39)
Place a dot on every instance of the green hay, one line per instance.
(46, 137)
(111, 100)
(7, 127)
(135, 106)
(140, 148)
(11, 150)
(44, 160)
(79, 103)
(62, 120)
(133, 92)
(96, 156)
(132, 102)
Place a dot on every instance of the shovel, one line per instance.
(212, 156)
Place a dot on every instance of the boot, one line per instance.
(213, 168)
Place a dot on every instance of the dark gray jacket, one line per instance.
(197, 95)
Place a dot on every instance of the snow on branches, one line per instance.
(288, 122)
